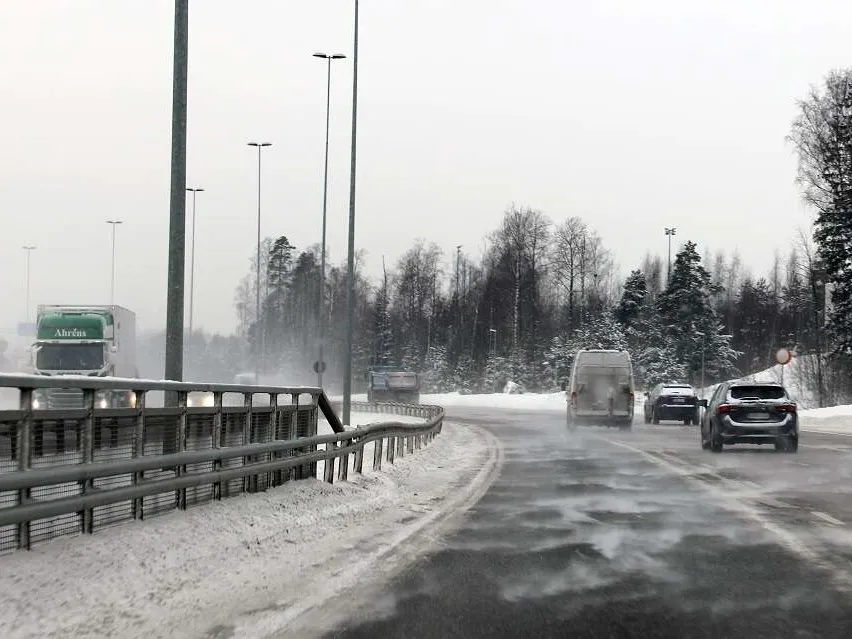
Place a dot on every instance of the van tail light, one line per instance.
(786, 408)
(725, 408)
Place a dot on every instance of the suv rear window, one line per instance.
(760, 392)
(676, 390)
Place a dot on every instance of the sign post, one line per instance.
(783, 357)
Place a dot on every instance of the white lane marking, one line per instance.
(828, 518)
(786, 539)
(825, 432)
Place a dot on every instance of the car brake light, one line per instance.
(787, 408)
(574, 397)
(725, 408)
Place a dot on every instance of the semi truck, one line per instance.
(96, 341)
(392, 384)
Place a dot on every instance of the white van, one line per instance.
(601, 390)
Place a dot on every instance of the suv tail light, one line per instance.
(786, 408)
(725, 408)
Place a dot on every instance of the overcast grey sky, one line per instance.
(633, 115)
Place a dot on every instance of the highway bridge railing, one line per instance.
(76, 470)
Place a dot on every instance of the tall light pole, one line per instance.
(29, 250)
(194, 192)
(177, 206)
(350, 261)
(113, 223)
(320, 360)
(670, 233)
(260, 333)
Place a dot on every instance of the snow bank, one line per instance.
(525, 401)
(195, 573)
(834, 419)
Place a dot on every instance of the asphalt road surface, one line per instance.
(602, 533)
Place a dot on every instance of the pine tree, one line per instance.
(632, 299)
(822, 134)
(690, 324)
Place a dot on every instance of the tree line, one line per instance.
(542, 290)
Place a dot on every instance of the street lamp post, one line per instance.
(320, 360)
(350, 261)
(670, 232)
(29, 250)
(177, 205)
(257, 361)
(113, 223)
(194, 191)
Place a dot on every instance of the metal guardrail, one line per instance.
(132, 463)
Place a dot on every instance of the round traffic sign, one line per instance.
(783, 356)
(319, 367)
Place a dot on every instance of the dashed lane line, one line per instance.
(808, 552)
(827, 518)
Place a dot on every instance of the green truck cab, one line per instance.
(93, 341)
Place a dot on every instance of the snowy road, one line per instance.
(601, 533)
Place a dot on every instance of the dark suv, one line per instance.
(750, 413)
(677, 402)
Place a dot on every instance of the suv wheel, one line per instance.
(705, 443)
(656, 416)
(716, 443)
(789, 444)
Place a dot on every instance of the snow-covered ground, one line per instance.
(244, 563)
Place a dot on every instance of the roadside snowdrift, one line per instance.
(195, 573)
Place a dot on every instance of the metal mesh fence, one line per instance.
(199, 436)
(160, 438)
(233, 434)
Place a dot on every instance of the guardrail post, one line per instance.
(358, 464)
(377, 453)
(181, 468)
(343, 463)
(328, 475)
(391, 449)
(248, 399)
(273, 478)
(216, 443)
(21, 439)
(88, 445)
(400, 446)
(138, 450)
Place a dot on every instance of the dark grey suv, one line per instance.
(750, 413)
(676, 402)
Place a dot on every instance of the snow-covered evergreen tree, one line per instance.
(690, 324)
(436, 371)
(632, 299)
(600, 331)
(823, 137)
